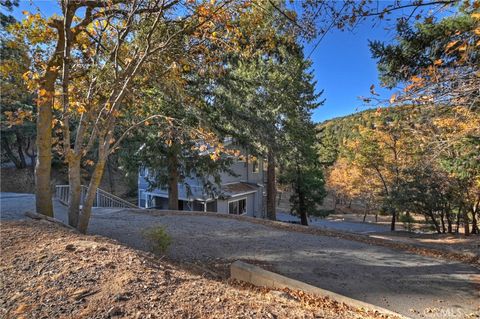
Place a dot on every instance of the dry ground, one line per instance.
(397, 276)
(49, 271)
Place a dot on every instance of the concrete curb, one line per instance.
(260, 277)
(49, 219)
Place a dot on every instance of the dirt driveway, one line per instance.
(410, 284)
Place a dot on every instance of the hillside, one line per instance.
(332, 133)
(115, 181)
(404, 161)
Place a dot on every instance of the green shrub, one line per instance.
(159, 239)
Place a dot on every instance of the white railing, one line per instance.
(102, 198)
(61, 193)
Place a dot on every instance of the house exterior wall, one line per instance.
(243, 171)
(222, 206)
(252, 204)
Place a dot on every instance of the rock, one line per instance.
(114, 312)
(122, 297)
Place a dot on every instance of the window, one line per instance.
(142, 198)
(255, 167)
(233, 208)
(237, 207)
(212, 206)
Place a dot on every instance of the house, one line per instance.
(242, 192)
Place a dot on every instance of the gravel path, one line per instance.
(410, 284)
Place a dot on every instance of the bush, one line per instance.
(159, 239)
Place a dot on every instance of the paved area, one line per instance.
(14, 205)
(410, 284)
(352, 227)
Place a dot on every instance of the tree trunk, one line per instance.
(43, 196)
(20, 144)
(302, 207)
(449, 225)
(435, 223)
(474, 221)
(448, 213)
(91, 194)
(45, 102)
(74, 192)
(172, 178)
(442, 219)
(30, 151)
(271, 187)
(8, 151)
(394, 219)
(365, 213)
(458, 221)
(465, 222)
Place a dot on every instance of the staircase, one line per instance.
(102, 198)
(283, 201)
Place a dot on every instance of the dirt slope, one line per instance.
(48, 271)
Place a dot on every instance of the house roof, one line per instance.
(237, 189)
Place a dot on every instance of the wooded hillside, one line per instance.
(407, 159)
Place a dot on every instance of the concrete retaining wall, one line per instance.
(259, 277)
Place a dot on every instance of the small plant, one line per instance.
(159, 239)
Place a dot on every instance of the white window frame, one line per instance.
(255, 166)
(237, 200)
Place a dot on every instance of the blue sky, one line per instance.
(345, 70)
(342, 63)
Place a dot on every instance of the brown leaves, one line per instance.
(18, 117)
